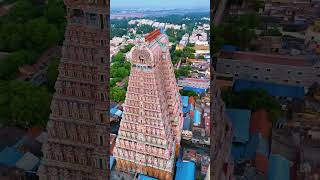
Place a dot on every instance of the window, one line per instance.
(101, 59)
(100, 163)
(266, 78)
(101, 21)
(227, 65)
(102, 97)
(298, 82)
(299, 73)
(289, 72)
(236, 75)
(101, 78)
(101, 117)
(318, 75)
(268, 70)
(286, 80)
(256, 77)
(101, 140)
(257, 69)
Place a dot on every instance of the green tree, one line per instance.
(40, 34)
(54, 12)
(9, 66)
(127, 48)
(113, 81)
(253, 99)
(12, 36)
(52, 73)
(117, 94)
(121, 72)
(24, 104)
(188, 93)
(119, 57)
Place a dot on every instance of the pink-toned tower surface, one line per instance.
(78, 129)
(150, 129)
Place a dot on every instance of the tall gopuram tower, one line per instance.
(150, 129)
(78, 127)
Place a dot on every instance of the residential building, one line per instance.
(152, 118)
(270, 68)
(78, 125)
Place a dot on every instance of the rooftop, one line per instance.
(277, 90)
(185, 170)
(266, 58)
(279, 168)
(240, 119)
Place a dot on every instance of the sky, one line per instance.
(116, 4)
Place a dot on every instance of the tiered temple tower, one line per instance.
(150, 129)
(78, 129)
(221, 164)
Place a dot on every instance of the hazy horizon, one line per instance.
(176, 4)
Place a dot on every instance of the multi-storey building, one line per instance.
(78, 128)
(279, 69)
(150, 130)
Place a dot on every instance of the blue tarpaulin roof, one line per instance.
(112, 159)
(279, 168)
(240, 119)
(185, 170)
(230, 48)
(238, 151)
(144, 177)
(9, 156)
(273, 89)
(113, 110)
(185, 100)
(196, 90)
(257, 143)
(186, 109)
(197, 117)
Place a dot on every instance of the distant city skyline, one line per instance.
(177, 4)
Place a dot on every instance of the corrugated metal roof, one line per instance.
(28, 162)
(197, 118)
(257, 144)
(279, 168)
(144, 177)
(273, 89)
(113, 110)
(260, 123)
(185, 100)
(118, 113)
(112, 159)
(191, 100)
(185, 170)
(9, 156)
(196, 90)
(261, 163)
(187, 123)
(240, 119)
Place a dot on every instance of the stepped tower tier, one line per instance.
(149, 130)
(78, 127)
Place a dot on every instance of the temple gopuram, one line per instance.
(78, 127)
(149, 137)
